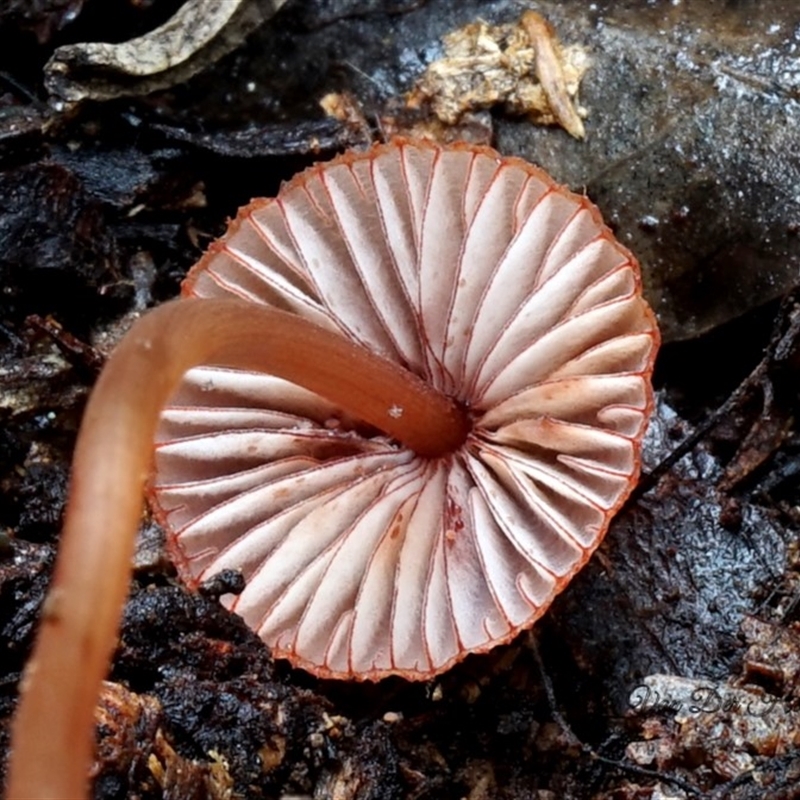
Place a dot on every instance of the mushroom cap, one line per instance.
(503, 290)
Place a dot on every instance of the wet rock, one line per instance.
(691, 146)
(671, 586)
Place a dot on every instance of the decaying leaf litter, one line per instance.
(487, 727)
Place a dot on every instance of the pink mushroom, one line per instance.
(463, 359)
(498, 288)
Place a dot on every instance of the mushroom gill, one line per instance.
(501, 290)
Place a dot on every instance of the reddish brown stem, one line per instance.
(52, 735)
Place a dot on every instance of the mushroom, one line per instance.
(417, 386)
(498, 288)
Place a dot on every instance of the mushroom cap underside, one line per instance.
(498, 287)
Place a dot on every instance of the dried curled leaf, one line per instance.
(198, 34)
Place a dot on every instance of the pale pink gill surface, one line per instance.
(503, 290)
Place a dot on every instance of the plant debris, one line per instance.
(522, 68)
(199, 33)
